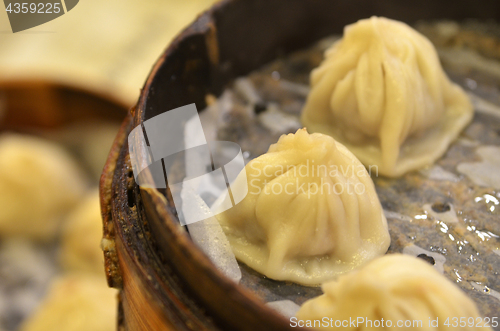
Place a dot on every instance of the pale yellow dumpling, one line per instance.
(39, 183)
(382, 93)
(76, 302)
(393, 290)
(311, 212)
(81, 237)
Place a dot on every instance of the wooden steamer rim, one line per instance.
(166, 282)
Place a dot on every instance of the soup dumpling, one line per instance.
(311, 211)
(395, 289)
(382, 93)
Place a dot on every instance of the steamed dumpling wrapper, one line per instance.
(80, 252)
(394, 288)
(39, 183)
(382, 93)
(311, 211)
(76, 302)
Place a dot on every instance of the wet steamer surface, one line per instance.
(448, 213)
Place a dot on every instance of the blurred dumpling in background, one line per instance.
(39, 183)
(81, 237)
(90, 142)
(392, 288)
(382, 93)
(76, 302)
(311, 211)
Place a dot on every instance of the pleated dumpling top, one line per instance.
(381, 92)
(311, 212)
(396, 291)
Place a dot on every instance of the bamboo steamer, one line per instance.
(34, 105)
(165, 281)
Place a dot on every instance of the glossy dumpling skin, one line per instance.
(395, 287)
(382, 93)
(311, 212)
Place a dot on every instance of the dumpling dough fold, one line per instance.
(382, 93)
(393, 288)
(311, 211)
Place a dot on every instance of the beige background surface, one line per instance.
(107, 46)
